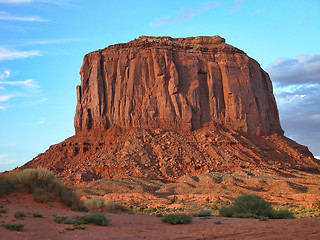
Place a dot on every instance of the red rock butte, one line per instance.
(162, 107)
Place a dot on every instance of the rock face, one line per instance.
(161, 107)
(177, 83)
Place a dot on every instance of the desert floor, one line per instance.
(125, 226)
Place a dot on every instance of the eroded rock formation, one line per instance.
(161, 107)
(173, 83)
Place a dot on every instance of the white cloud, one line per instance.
(29, 83)
(5, 74)
(3, 108)
(5, 98)
(4, 16)
(6, 54)
(184, 14)
(3, 155)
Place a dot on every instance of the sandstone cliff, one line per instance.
(173, 83)
(161, 107)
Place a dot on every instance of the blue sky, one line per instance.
(42, 44)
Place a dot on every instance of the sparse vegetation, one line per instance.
(253, 206)
(35, 214)
(174, 199)
(203, 213)
(177, 218)
(42, 184)
(4, 210)
(19, 215)
(13, 226)
(95, 218)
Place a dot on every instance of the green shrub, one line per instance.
(4, 210)
(282, 214)
(174, 199)
(19, 214)
(204, 214)
(177, 218)
(252, 206)
(35, 214)
(13, 226)
(95, 218)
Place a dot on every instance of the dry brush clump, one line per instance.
(42, 184)
(253, 206)
(177, 218)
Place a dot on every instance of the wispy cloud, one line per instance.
(5, 74)
(6, 54)
(4, 98)
(2, 155)
(184, 14)
(16, 89)
(237, 4)
(29, 83)
(5, 16)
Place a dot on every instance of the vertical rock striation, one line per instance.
(175, 83)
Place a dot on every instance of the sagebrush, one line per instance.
(253, 206)
(42, 184)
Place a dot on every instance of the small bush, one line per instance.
(8, 183)
(19, 215)
(204, 214)
(174, 199)
(282, 214)
(218, 222)
(4, 210)
(101, 204)
(178, 218)
(95, 218)
(39, 215)
(252, 206)
(13, 226)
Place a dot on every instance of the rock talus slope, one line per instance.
(161, 107)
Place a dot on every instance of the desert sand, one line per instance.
(126, 226)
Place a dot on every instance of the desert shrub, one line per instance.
(35, 214)
(4, 210)
(95, 203)
(282, 214)
(174, 199)
(203, 213)
(177, 218)
(8, 183)
(214, 207)
(252, 206)
(218, 222)
(99, 203)
(60, 219)
(95, 218)
(19, 214)
(46, 188)
(13, 226)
